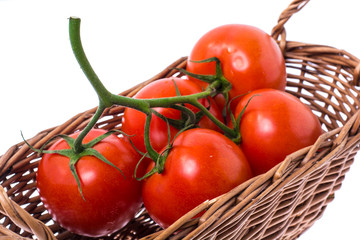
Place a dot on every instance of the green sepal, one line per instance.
(137, 166)
(204, 78)
(187, 116)
(236, 122)
(73, 156)
(168, 122)
(238, 119)
(160, 159)
(128, 136)
(217, 79)
(73, 170)
(199, 115)
(95, 153)
(97, 140)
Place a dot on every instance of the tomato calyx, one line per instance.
(188, 117)
(158, 167)
(159, 159)
(217, 82)
(87, 150)
(236, 121)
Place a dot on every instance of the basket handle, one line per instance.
(279, 30)
(22, 219)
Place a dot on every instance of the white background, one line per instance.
(127, 42)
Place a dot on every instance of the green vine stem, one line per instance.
(78, 146)
(150, 151)
(107, 99)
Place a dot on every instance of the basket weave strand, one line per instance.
(280, 204)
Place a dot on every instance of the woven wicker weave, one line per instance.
(280, 204)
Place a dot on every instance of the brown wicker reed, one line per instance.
(280, 204)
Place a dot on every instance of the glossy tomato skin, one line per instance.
(111, 201)
(250, 58)
(133, 121)
(202, 165)
(274, 125)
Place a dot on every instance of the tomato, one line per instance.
(110, 199)
(250, 58)
(274, 125)
(202, 165)
(133, 121)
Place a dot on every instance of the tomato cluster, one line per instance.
(190, 156)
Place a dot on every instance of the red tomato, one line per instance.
(111, 201)
(133, 121)
(202, 164)
(274, 125)
(249, 57)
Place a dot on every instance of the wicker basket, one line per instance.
(280, 204)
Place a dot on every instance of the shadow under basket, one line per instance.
(280, 204)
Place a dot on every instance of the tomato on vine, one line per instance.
(202, 164)
(273, 125)
(109, 197)
(133, 121)
(250, 58)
